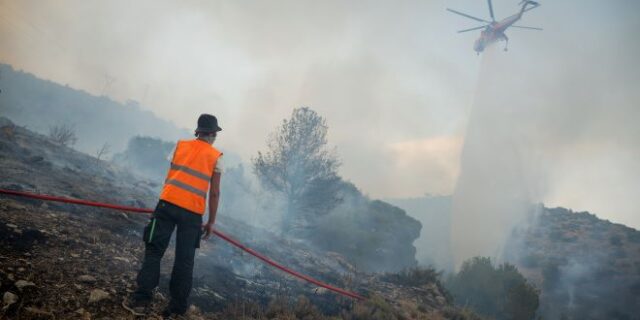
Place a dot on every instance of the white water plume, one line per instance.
(495, 185)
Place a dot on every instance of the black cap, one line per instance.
(207, 124)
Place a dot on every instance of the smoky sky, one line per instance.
(394, 80)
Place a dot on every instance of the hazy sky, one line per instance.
(394, 80)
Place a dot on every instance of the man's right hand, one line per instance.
(207, 229)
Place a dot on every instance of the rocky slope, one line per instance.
(434, 213)
(584, 267)
(587, 268)
(65, 261)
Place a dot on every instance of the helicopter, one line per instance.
(494, 30)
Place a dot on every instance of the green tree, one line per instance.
(149, 156)
(500, 292)
(299, 165)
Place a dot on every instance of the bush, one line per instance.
(414, 277)
(281, 308)
(375, 308)
(64, 134)
(147, 155)
(417, 277)
(460, 314)
(615, 240)
(500, 292)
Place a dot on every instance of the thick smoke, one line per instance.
(391, 77)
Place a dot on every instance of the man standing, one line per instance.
(195, 169)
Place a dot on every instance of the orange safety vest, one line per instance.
(188, 179)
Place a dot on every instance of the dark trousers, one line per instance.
(156, 236)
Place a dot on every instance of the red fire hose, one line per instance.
(216, 232)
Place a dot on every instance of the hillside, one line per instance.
(65, 261)
(39, 104)
(587, 268)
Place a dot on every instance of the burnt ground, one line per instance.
(61, 261)
(65, 259)
(54, 261)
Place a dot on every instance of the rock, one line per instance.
(97, 295)
(320, 290)
(36, 159)
(158, 296)
(122, 259)
(21, 284)
(8, 299)
(39, 313)
(16, 205)
(86, 278)
(75, 255)
(83, 314)
(194, 313)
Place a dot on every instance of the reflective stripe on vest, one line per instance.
(186, 187)
(188, 179)
(190, 171)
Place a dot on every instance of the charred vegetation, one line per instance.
(66, 261)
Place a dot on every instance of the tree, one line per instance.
(299, 165)
(103, 151)
(501, 292)
(148, 155)
(64, 134)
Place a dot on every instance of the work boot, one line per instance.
(169, 313)
(136, 307)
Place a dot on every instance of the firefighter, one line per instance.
(195, 170)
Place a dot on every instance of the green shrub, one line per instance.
(414, 277)
(417, 277)
(633, 236)
(460, 314)
(375, 308)
(615, 240)
(500, 292)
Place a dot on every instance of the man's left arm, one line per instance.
(214, 199)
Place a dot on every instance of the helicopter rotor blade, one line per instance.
(491, 10)
(471, 29)
(533, 5)
(468, 16)
(531, 28)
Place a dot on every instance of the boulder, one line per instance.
(97, 295)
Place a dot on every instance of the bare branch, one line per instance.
(103, 151)
(64, 134)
